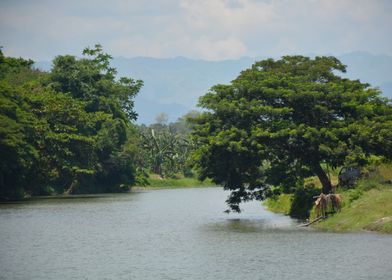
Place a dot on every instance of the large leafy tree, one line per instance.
(68, 130)
(19, 155)
(65, 138)
(47, 139)
(283, 120)
(91, 80)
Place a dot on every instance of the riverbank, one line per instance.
(155, 182)
(367, 211)
(371, 211)
(368, 207)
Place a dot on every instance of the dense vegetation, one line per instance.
(366, 206)
(282, 121)
(166, 148)
(68, 130)
(71, 130)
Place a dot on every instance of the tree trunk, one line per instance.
(71, 187)
(327, 186)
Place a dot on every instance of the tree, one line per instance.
(281, 121)
(17, 154)
(68, 130)
(65, 138)
(91, 79)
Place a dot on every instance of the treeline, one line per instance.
(70, 130)
(67, 130)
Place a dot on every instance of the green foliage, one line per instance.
(352, 195)
(298, 204)
(93, 80)
(166, 148)
(371, 210)
(279, 203)
(18, 155)
(66, 131)
(154, 182)
(375, 176)
(65, 138)
(302, 203)
(166, 153)
(281, 121)
(118, 164)
(16, 71)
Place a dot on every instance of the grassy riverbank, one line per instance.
(155, 182)
(367, 207)
(279, 204)
(372, 210)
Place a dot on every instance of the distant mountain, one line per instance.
(373, 69)
(173, 85)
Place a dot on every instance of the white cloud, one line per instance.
(208, 29)
(220, 49)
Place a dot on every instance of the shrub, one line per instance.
(303, 202)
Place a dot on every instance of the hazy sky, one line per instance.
(205, 29)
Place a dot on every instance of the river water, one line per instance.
(176, 234)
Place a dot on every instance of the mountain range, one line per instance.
(173, 85)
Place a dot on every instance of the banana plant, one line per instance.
(166, 153)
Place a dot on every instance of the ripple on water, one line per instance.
(176, 234)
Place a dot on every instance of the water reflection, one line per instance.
(176, 234)
(250, 225)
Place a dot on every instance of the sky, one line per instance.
(198, 29)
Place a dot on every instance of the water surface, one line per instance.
(176, 234)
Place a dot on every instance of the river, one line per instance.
(176, 234)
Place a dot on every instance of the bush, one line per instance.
(353, 194)
(303, 202)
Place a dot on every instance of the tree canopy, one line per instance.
(66, 130)
(92, 80)
(283, 120)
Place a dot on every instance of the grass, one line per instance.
(367, 207)
(370, 211)
(155, 182)
(279, 203)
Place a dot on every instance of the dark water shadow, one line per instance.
(78, 198)
(253, 226)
